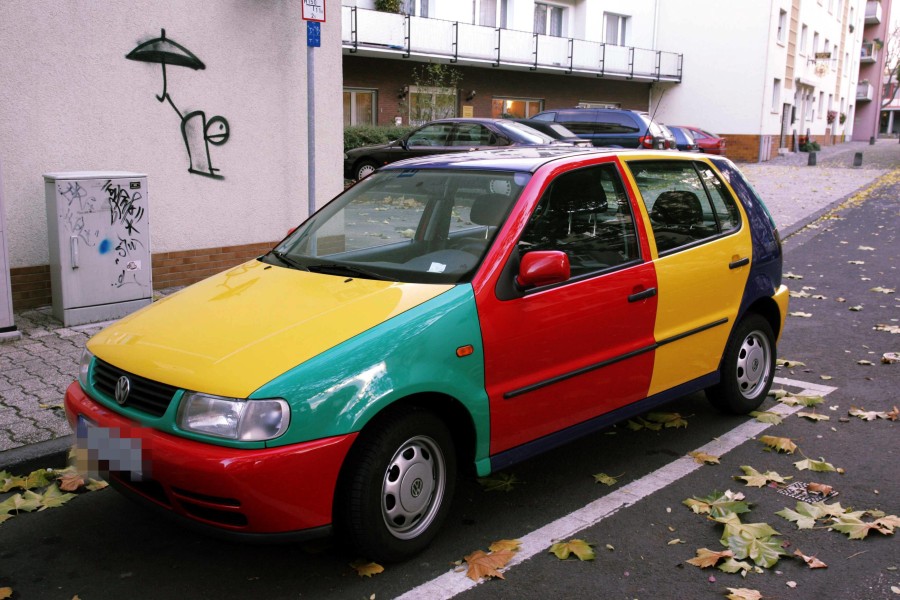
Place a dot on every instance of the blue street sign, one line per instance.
(313, 34)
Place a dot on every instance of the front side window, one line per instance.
(587, 215)
(436, 134)
(412, 225)
(473, 134)
(686, 201)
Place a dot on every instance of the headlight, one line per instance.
(233, 418)
(84, 367)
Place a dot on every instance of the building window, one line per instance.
(598, 104)
(782, 25)
(616, 29)
(815, 47)
(415, 8)
(821, 103)
(492, 13)
(776, 95)
(430, 103)
(515, 108)
(548, 19)
(359, 107)
(804, 34)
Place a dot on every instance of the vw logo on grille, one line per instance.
(123, 388)
(416, 488)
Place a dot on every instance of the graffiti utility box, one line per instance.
(98, 226)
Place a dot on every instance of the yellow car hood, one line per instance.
(235, 331)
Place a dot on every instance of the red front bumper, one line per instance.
(266, 491)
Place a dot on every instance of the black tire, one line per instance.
(397, 486)
(364, 168)
(748, 367)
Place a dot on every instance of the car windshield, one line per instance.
(411, 225)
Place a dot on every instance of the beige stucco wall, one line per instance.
(69, 100)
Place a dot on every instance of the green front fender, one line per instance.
(343, 388)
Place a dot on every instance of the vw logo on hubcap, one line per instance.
(416, 487)
(123, 388)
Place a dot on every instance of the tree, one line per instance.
(892, 67)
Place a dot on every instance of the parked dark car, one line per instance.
(684, 139)
(708, 142)
(609, 126)
(443, 137)
(557, 131)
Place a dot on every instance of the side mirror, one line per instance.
(543, 267)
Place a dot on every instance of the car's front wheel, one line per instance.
(748, 367)
(397, 487)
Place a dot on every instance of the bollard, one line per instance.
(872, 141)
(812, 159)
(857, 159)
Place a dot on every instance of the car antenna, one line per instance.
(653, 116)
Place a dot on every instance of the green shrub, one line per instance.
(810, 147)
(367, 135)
(392, 6)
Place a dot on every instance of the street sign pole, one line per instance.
(314, 15)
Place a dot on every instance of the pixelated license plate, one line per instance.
(106, 449)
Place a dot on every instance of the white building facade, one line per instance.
(220, 130)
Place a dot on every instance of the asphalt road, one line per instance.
(101, 546)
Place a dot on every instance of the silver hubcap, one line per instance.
(413, 487)
(365, 171)
(753, 365)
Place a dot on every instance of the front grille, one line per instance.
(146, 395)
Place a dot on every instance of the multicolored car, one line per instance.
(472, 309)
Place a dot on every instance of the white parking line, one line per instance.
(452, 583)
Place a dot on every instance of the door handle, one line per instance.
(73, 250)
(737, 264)
(648, 293)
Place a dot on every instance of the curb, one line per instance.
(42, 455)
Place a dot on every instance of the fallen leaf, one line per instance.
(865, 415)
(718, 504)
(498, 482)
(482, 565)
(826, 377)
(709, 558)
(71, 482)
(733, 566)
(754, 478)
(865, 362)
(501, 545)
(54, 498)
(5, 592)
(790, 275)
(888, 328)
(892, 415)
(704, 458)
(819, 488)
(667, 419)
(856, 262)
(865, 248)
(856, 308)
(808, 401)
(814, 465)
(883, 290)
(579, 548)
(743, 594)
(812, 561)
(734, 528)
(813, 416)
(675, 541)
(856, 528)
(767, 417)
(94, 485)
(763, 551)
(800, 294)
(797, 313)
(365, 568)
(804, 515)
(781, 444)
(605, 479)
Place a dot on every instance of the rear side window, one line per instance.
(614, 122)
(431, 135)
(686, 201)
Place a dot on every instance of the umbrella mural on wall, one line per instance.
(198, 132)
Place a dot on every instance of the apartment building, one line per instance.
(767, 75)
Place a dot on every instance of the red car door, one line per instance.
(559, 355)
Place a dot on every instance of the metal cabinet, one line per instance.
(99, 233)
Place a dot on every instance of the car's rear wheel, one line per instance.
(748, 367)
(397, 486)
(364, 169)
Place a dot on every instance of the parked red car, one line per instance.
(708, 142)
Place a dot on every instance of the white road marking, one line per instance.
(452, 583)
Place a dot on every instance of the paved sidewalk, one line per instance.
(36, 368)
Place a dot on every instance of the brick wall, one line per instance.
(31, 285)
(389, 76)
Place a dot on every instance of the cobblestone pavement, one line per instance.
(36, 368)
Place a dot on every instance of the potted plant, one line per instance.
(842, 118)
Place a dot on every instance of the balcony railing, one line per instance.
(864, 92)
(374, 33)
(873, 12)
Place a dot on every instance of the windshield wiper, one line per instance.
(283, 257)
(349, 270)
